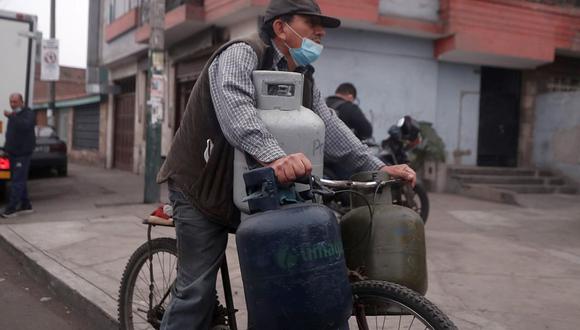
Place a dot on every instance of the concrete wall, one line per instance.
(121, 47)
(557, 133)
(244, 28)
(420, 9)
(394, 75)
(457, 119)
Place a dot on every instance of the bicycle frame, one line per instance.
(152, 318)
(154, 312)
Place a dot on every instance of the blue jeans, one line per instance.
(201, 246)
(19, 166)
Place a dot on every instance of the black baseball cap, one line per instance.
(279, 8)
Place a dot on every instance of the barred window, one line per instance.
(564, 3)
(118, 8)
(563, 84)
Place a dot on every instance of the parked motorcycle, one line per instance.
(403, 137)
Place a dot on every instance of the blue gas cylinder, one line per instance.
(293, 269)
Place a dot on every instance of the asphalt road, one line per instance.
(28, 305)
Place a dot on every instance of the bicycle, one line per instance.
(149, 275)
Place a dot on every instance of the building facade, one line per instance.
(480, 70)
(79, 119)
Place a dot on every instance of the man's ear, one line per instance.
(278, 27)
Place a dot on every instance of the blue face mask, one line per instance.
(308, 52)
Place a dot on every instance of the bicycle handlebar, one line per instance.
(263, 192)
(346, 184)
(356, 184)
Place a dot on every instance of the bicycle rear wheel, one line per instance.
(380, 305)
(136, 312)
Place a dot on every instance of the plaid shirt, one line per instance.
(233, 95)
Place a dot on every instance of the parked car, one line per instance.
(50, 152)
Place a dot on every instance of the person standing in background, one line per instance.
(349, 112)
(19, 145)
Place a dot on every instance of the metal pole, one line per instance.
(156, 99)
(51, 85)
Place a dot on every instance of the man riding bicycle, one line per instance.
(220, 116)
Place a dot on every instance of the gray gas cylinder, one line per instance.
(390, 246)
(296, 128)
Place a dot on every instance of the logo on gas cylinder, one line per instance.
(289, 257)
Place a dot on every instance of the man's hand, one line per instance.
(403, 172)
(7, 113)
(290, 167)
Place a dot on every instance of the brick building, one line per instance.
(77, 116)
(478, 69)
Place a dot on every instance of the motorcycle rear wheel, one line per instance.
(420, 199)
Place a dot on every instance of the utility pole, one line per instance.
(51, 84)
(156, 99)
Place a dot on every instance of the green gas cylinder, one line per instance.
(390, 246)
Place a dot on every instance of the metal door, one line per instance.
(499, 117)
(86, 127)
(124, 131)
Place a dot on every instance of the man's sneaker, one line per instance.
(26, 209)
(9, 213)
(163, 213)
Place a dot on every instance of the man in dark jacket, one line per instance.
(343, 103)
(19, 145)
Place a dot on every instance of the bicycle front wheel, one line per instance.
(143, 299)
(380, 305)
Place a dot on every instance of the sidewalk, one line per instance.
(491, 266)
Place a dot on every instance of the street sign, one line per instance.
(49, 69)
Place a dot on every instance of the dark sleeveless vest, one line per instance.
(209, 186)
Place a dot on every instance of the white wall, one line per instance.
(421, 9)
(397, 76)
(458, 111)
(557, 133)
(394, 75)
(243, 29)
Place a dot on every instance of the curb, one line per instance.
(92, 312)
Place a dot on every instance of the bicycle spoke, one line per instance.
(388, 304)
(400, 319)
(142, 296)
(384, 320)
(144, 318)
(410, 325)
(161, 266)
(144, 289)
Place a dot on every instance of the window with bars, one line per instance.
(563, 3)
(563, 84)
(169, 6)
(118, 8)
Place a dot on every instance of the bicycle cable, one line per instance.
(371, 213)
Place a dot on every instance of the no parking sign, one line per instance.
(49, 70)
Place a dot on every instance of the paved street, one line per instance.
(491, 266)
(26, 304)
(502, 267)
